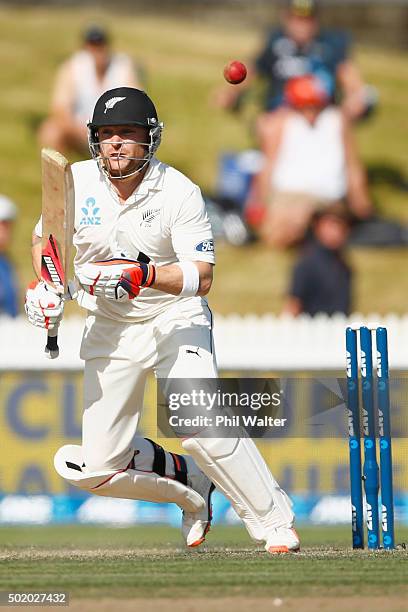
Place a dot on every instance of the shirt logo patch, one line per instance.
(90, 211)
(111, 103)
(205, 246)
(148, 216)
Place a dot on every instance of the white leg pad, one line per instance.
(127, 484)
(239, 471)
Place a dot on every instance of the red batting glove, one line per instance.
(135, 277)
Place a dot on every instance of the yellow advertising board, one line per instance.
(41, 411)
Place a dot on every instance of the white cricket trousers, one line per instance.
(118, 358)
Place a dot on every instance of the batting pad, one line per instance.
(237, 468)
(127, 483)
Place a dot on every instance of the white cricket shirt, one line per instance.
(164, 218)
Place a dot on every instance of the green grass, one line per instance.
(184, 61)
(151, 562)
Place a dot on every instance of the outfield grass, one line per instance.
(151, 562)
(184, 61)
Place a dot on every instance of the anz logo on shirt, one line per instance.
(90, 211)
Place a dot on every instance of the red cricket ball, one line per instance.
(235, 72)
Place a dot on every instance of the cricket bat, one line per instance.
(58, 214)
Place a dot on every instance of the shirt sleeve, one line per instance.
(345, 47)
(301, 281)
(63, 92)
(341, 44)
(265, 59)
(8, 288)
(191, 232)
(132, 77)
(38, 228)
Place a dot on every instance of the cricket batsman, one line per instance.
(144, 264)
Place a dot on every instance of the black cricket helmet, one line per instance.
(124, 106)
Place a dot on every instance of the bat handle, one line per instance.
(52, 348)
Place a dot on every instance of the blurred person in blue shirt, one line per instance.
(321, 280)
(299, 46)
(8, 284)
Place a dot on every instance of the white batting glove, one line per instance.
(116, 279)
(43, 305)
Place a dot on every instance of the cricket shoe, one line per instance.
(282, 540)
(196, 525)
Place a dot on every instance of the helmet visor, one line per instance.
(124, 158)
(123, 151)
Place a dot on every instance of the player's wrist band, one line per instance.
(149, 274)
(191, 278)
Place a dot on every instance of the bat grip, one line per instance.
(51, 348)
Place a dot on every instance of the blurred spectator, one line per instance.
(79, 83)
(310, 160)
(298, 47)
(8, 284)
(321, 279)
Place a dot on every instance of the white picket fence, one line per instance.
(245, 343)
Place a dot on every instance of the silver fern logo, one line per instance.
(111, 103)
(148, 216)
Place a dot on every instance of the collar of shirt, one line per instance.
(152, 181)
(325, 251)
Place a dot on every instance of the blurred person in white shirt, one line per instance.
(79, 82)
(310, 160)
